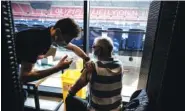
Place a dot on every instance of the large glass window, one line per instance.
(123, 21)
(43, 14)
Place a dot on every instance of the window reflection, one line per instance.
(124, 22)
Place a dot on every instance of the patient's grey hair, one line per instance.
(105, 43)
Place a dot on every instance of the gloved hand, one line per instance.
(87, 59)
(90, 66)
(63, 63)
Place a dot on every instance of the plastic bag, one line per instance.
(138, 102)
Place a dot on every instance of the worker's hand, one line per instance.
(64, 63)
(87, 59)
(90, 66)
(40, 56)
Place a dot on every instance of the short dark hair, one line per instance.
(68, 27)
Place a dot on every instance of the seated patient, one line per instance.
(105, 81)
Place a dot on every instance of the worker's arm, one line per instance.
(78, 51)
(28, 75)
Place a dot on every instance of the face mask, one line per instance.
(59, 40)
(94, 55)
(96, 51)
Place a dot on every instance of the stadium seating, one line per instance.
(135, 40)
(116, 35)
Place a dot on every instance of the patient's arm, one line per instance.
(80, 83)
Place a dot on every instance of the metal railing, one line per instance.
(40, 26)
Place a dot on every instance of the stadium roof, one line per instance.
(98, 3)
